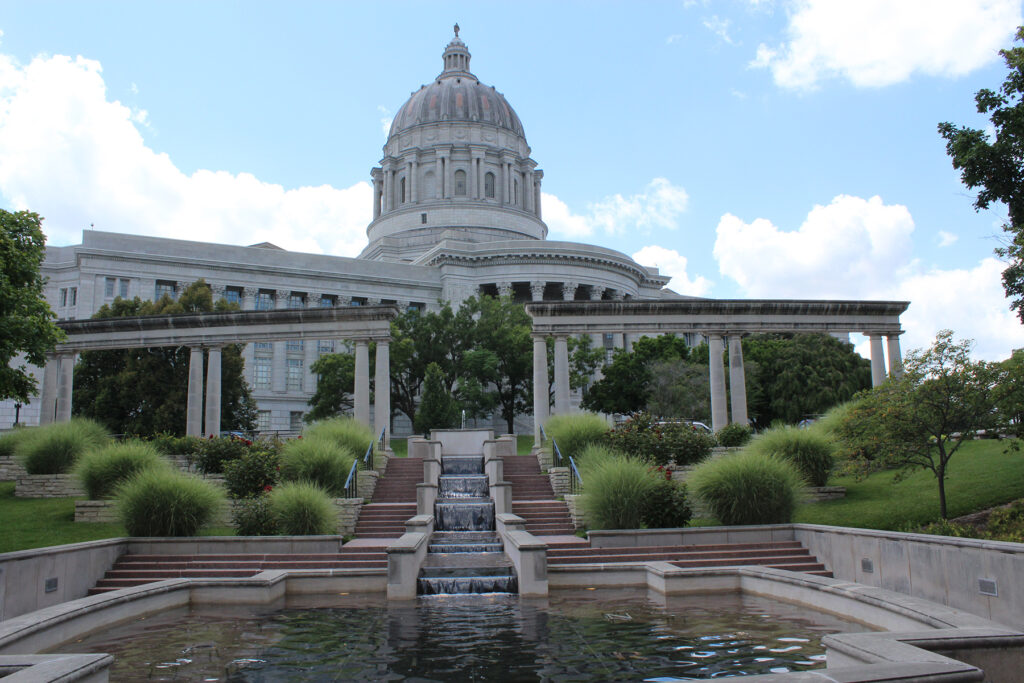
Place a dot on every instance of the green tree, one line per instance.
(1008, 390)
(335, 382)
(437, 410)
(996, 164)
(625, 387)
(679, 389)
(921, 419)
(26, 321)
(144, 391)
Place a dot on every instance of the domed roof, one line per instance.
(456, 95)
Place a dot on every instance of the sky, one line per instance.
(747, 148)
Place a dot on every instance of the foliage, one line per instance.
(625, 387)
(733, 435)
(1007, 524)
(995, 164)
(215, 452)
(438, 410)
(573, 433)
(319, 461)
(302, 509)
(858, 447)
(584, 359)
(254, 516)
(54, 448)
(9, 441)
(347, 432)
(666, 506)
(144, 391)
(748, 488)
(26, 321)
(660, 442)
(252, 474)
(1008, 391)
(102, 470)
(335, 382)
(167, 503)
(169, 444)
(679, 389)
(808, 450)
(616, 489)
(922, 418)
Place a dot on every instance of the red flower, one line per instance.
(299, 436)
(668, 475)
(211, 436)
(268, 488)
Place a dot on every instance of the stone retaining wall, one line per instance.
(10, 468)
(366, 483)
(559, 480)
(348, 514)
(48, 486)
(576, 511)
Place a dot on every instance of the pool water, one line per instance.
(585, 635)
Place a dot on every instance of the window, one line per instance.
(295, 420)
(326, 346)
(460, 183)
(296, 301)
(423, 219)
(164, 288)
(401, 191)
(263, 421)
(233, 295)
(294, 376)
(489, 185)
(416, 306)
(261, 374)
(263, 346)
(123, 289)
(63, 296)
(327, 301)
(264, 301)
(294, 346)
(72, 296)
(359, 301)
(109, 285)
(515, 192)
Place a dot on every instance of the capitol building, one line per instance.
(456, 213)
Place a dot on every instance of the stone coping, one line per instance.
(36, 668)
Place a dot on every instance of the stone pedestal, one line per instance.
(559, 480)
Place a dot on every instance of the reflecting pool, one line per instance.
(587, 635)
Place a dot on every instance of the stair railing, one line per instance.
(352, 482)
(575, 480)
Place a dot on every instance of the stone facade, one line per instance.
(10, 468)
(48, 486)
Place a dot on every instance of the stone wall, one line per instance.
(575, 511)
(366, 483)
(96, 511)
(48, 486)
(559, 480)
(348, 514)
(10, 468)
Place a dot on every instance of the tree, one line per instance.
(26, 321)
(335, 381)
(679, 389)
(1008, 391)
(144, 391)
(921, 419)
(438, 410)
(625, 387)
(996, 165)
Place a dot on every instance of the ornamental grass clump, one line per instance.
(319, 461)
(101, 471)
(161, 502)
(808, 449)
(574, 433)
(55, 448)
(616, 488)
(346, 432)
(302, 509)
(748, 488)
(9, 441)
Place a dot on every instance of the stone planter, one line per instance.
(96, 511)
(10, 468)
(48, 486)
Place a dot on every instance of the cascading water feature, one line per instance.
(465, 554)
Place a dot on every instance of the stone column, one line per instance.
(501, 192)
(508, 183)
(388, 190)
(248, 301)
(213, 393)
(278, 368)
(439, 172)
(48, 391)
(382, 391)
(540, 387)
(569, 290)
(528, 190)
(414, 185)
(194, 407)
(361, 397)
(65, 386)
(504, 289)
(449, 178)
(719, 411)
(537, 175)
(310, 353)
(378, 192)
(877, 360)
(561, 374)
(627, 342)
(895, 357)
(471, 179)
(737, 380)
(537, 291)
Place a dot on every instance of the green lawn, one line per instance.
(38, 522)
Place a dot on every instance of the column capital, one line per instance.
(569, 290)
(596, 292)
(377, 174)
(537, 290)
(895, 334)
(344, 300)
(616, 294)
(313, 299)
(250, 291)
(218, 290)
(504, 288)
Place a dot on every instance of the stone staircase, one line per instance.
(545, 517)
(528, 483)
(393, 502)
(384, 520)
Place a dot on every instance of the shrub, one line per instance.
(748, 488)
(615, 489)
(302, 509)
(252, 474)
(53, 449)
(733, 435)
(215, 452)
(642, 437)
(809, 450)
(9, 441)
(167, 503)
(318, 461)
(254, 517)
(666, 506)
(574, 433)
(101, 471)
(168, 444)
(345, 432)
(856, 443)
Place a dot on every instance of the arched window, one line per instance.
(489, 185)
(460, 183)
(401, 186)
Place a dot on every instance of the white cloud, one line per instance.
(386, 119)
(947, 238)
(658, 206)
(860, 249)
(76, 158)
(670, 262)
(875, 43)
(720, 27)
(675, 37)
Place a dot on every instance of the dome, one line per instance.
(456, 95)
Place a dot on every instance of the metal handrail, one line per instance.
(352, 482)
(575, 479)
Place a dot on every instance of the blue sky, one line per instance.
(766, 148)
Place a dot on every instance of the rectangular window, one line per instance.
(108, 287)
(233, 295)
(296, 301)
(263, 346)
(294, 346)
(63, 296)
(326, 346)
(264, 301)
(123, 290)
(359, 301)
(164, 287)
(72, 296)
(294, 376)
(327, 301)
(261, 374)
(263, 420)
(295, 420)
